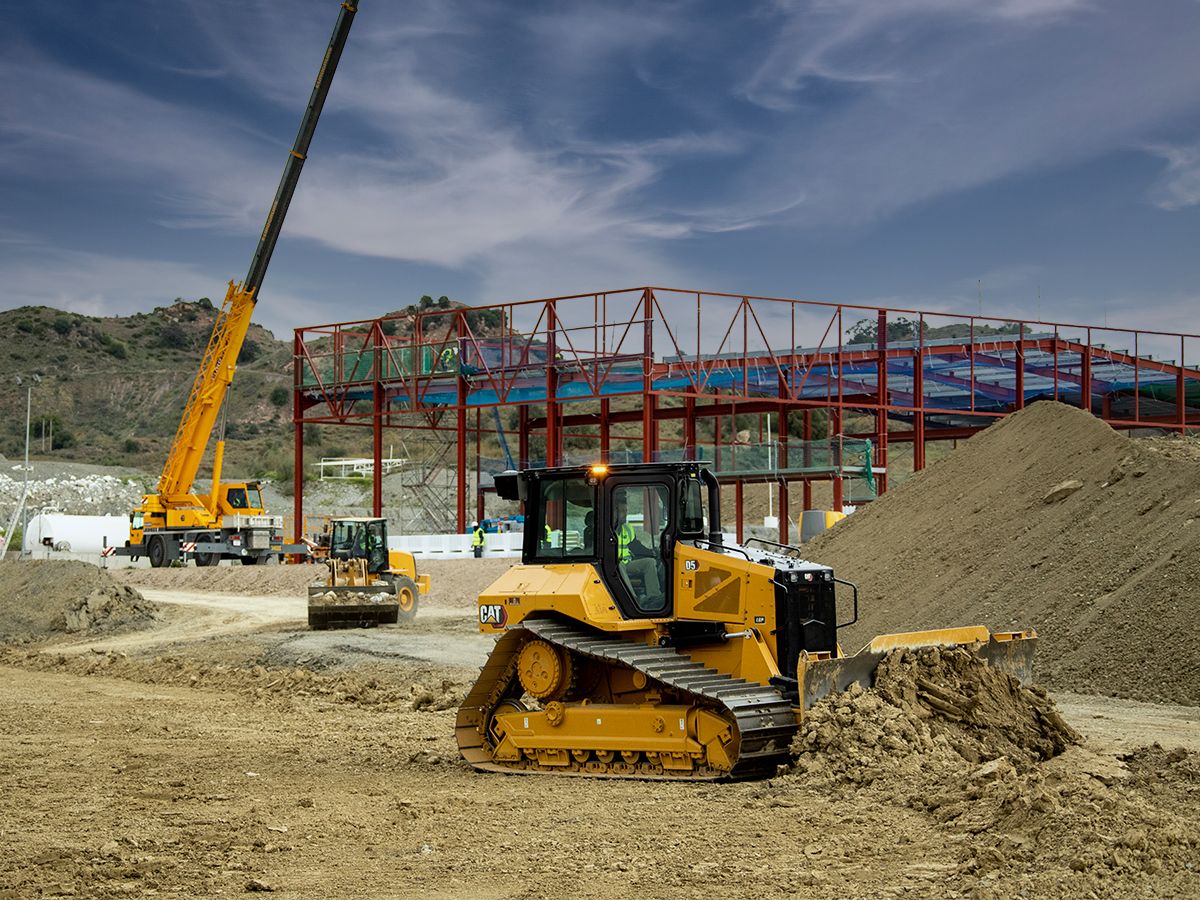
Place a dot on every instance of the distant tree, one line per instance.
(280, 396)
(866, 331)
(174, 337)
(205, 303)
(249, 353)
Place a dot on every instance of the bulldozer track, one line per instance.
(764, 720)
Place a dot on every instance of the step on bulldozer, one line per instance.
(365, 583)
(633, 641)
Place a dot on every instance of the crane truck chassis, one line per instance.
(668, 654)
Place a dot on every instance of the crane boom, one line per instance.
(175, 523)
(299, 152)
(229, 331)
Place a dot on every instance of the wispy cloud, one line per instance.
(1179, 185)
(927, 97)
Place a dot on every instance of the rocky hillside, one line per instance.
(111, 390)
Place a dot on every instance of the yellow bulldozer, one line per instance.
(633, 641)
(365, 583)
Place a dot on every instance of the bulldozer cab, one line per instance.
(624, 520)
(358, 538)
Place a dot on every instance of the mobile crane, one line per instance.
(175, 522)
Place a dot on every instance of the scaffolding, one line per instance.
(601, 377)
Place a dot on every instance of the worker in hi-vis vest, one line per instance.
(477, 539)
(635, 560)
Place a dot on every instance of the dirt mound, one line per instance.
(271, 684)
(39, 598)
(994, 766)
(929, 710)
(1048, 519)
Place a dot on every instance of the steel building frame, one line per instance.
(692, 355)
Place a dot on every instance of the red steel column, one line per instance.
(807, 438)
(461, 428)
(298, 443)
(881, 419)
(782, 464)
(835, 432)
(649, 428)
(1085, 375)
(649, 422)
(523, 436)
(298, 479)
(605, 443)
(689, 427)
(377, 450)
(919, 414)
(1019, 400)
(737, 510)
(478, 469)
(553, 437)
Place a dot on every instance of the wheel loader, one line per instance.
(365, 583)
(633, 641)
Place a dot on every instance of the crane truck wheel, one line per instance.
(205, 559)
(156, 552)
(406, 596)
(251, 560)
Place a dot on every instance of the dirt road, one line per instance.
(218, 763)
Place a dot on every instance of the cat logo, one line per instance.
(493, 614)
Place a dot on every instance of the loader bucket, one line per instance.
(1009, 651)
(352, 606)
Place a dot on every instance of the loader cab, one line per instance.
(360, 538)
(623, 520)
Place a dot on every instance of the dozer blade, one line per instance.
(1008, 651)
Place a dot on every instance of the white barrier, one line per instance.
(457, 546)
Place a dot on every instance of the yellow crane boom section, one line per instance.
(207, 394)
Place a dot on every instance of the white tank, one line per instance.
(76, 534)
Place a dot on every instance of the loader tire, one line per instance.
(406, 597)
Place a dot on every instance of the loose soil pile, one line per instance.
(994, 764)
(1048, 519)
(39, 598)
(930, 709)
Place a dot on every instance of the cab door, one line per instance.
(638, 540)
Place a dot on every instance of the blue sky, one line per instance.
(904, 152)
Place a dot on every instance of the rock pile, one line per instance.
(93, 495)
(39, 598)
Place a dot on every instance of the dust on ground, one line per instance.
(228, 749)
(452, 582)
(39, 599)
(1048, 519)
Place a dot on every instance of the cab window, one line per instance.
(568, 524)
(236, 498)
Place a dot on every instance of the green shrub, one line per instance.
(280, 396)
